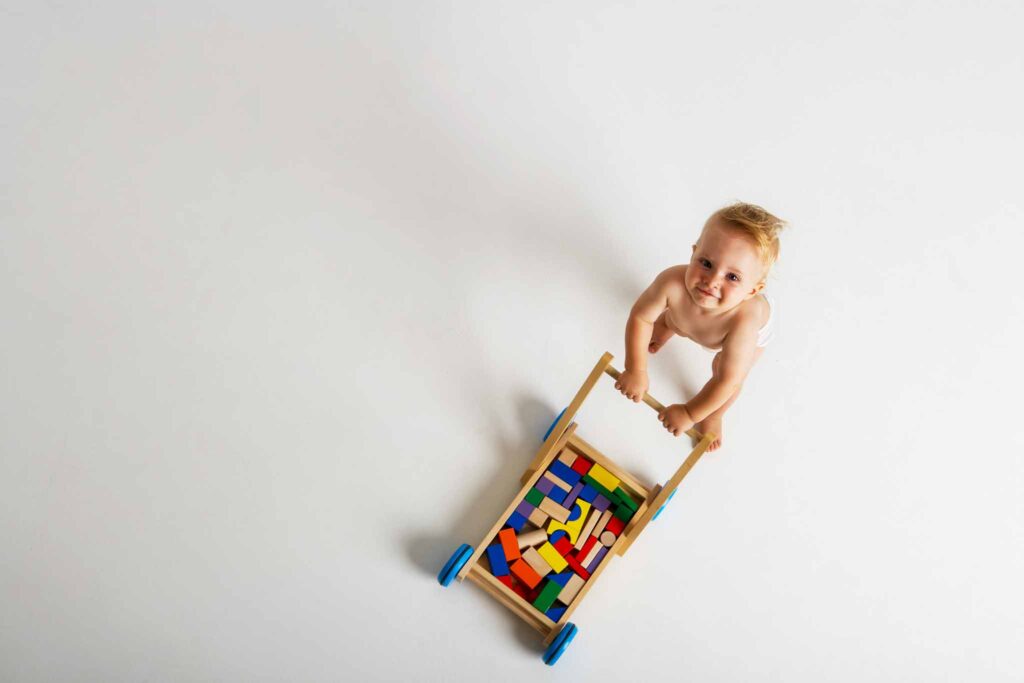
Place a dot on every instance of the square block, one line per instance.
(589, 493)
(516, 521)
(538, 517)
(556, 494)
(615, 525)
(534, 497)
(581, 466)
(555, 613)
(524, 508)
(601, 503)
(544, 485)
(567, 457)
(623, 513)
(563, 546)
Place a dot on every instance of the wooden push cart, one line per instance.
(547, 604)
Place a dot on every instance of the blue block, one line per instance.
(496, 556)
(555, 613)
(516, 521)
(561, 579)
(558, 495)
(589, 493)
(559, 534)
(564, 472)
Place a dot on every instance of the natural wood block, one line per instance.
(607, 538)
(588, 528)
(536, 562)
(538, 517)
(554, 509)
(567, 456)
(557, 482)
(572, 587)
(605, 516)
(532, 538)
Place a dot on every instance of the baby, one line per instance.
(716, 301)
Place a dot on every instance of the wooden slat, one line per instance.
(574, 406)
(510, 599)
(475, 557)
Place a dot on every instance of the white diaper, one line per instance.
(767, 331)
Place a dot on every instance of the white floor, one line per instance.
(291, 296)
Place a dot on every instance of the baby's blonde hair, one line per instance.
(757, 224)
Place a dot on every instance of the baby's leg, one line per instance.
(713, 422)
(661, 334)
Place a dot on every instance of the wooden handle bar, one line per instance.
(651, 401)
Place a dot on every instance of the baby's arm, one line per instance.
(633, 382)
(737, 358)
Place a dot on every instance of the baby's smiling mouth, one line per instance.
(705, 292)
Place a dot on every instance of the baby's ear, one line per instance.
(757, 288)
(693, 249)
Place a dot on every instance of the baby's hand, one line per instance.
(632, 384)
(676, 419)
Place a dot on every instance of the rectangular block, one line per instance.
(558, 495)
(509, 545)
(516, 521)
(623, 513)
(534, 497)
(584, 552)
(581, 466)
(552, 557)
(601, 551)
(573, 495)
(544, 486)
(572, 587)
(605, 516)
(588, 558)
(566, 456)
(577, 567)
(532, 538)
(525, 573)
(565, 473)
(538, 516)
(556, 480)
(536, 562)
(588, 528)
(555, 510)
(603, 477)
(547, 596)
(496, 557)
(555, 613)
(601, 503)
(599, 486)
(507, 580)
(615, 525)
(623, 497)
(562, 578)
(524, 508)
(563, 546)
(589, 493)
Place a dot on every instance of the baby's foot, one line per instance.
(713, 425)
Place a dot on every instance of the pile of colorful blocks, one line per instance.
(584, 510)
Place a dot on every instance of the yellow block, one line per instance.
(552, 557)
(603, 477)
(572, 528)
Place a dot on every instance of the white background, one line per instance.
(291, 294)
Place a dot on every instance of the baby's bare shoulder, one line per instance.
(751, 315)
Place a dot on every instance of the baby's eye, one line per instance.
(704, 262)
(734, 277)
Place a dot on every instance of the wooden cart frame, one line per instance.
(563, 436)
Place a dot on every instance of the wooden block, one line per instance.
(603, 477)
(581, 465)
(587, 479)
(601, 523)
(607, 538)
(561, 578)
(552, 557)
(507, 580)
(534, 497)
(574, 524)
(555, 613)
(601, 503)
(585, 550)
(566, 456)
(524, 508)
(536, 562)
(525, 573)
(557, 494)
(544, 485)
(555, 510)
(572, 587)
(589, 493)
(496, 557)
(599, 554)
(623, 513)
(557, 481)
(531, 538)
(588, 528)
(516, 521)
(577, 567)
(508, 544)
(538, 517)
(564, 473)
(547, 596)
(589, 557)
(623, 497)
(615, 525)
(563, 546)
(573, 495)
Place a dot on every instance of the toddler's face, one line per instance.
(725, 269)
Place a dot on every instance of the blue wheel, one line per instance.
(548, 433)
(662, 508)
(558, 645)
(456, 562)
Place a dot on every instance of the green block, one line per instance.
(534, 497)
(623, 513)
(626, 499)
(547, 596)
(600, 489)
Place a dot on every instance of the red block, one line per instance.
(582, 465)
(525, 573)
(507, 580)
(577, 567)
(563, 546)
(586, 548)
(615, 525)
